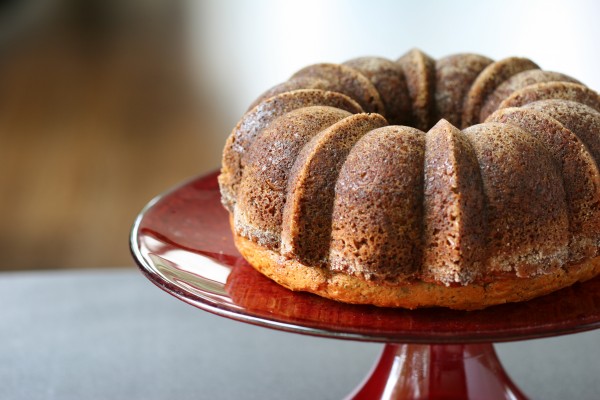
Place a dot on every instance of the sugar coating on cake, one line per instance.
(516, 82)
(378, 209)
(306, 227)
(390, 81)
(259, 118)
(454, 217)
(269, 165)
(526, 228)
(348, 81)
(553, 90)
(581, 177)
(461, 182)
(419, 69)
(454, 76)
(487, 81)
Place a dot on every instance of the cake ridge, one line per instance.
(487, 81)
(389, 80)
(581, 176)
(553, 90)
(382, 241)
(524, 200)
(419, 69)
(268, 167)
(579, 118)
(455, 75)
(306, 226)
(348, 81)
(260, 118)
(455, 218)
(516, 82)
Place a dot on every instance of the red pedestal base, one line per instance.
(440, 371)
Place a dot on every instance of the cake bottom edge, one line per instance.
(409, 294)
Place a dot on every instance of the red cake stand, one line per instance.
(182, 243)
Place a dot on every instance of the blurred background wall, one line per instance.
(106, 103)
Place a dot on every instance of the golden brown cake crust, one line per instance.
(419, 70)
(454, 76)
(520, 81)
(259, 118)
(487, 81)
(347, 206)
(553, 90)
(413, 294)
(348, 81)
(389, 80)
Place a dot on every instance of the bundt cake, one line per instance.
(353, 181)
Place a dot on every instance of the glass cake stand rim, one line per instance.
(222, 309)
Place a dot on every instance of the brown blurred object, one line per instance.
(98, 113)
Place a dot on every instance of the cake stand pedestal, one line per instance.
(438, 371)
(182, 243)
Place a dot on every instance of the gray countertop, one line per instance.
(111, 334)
